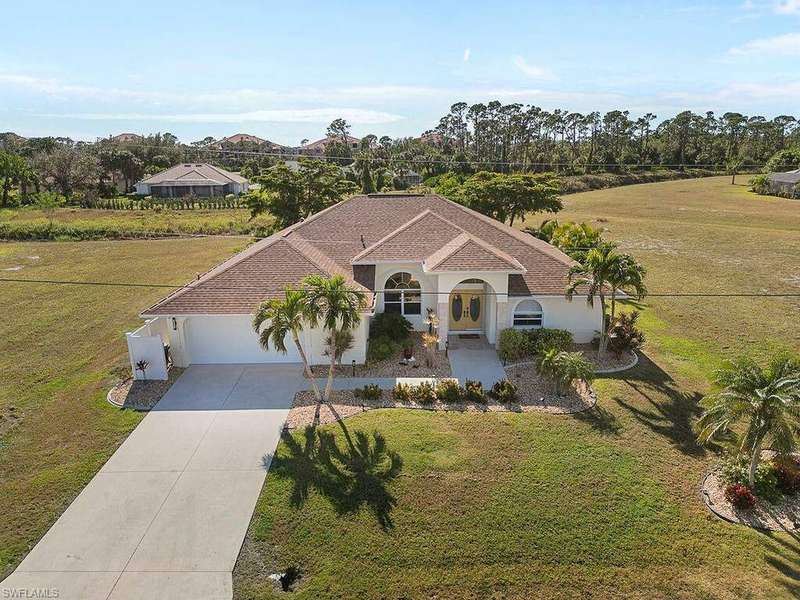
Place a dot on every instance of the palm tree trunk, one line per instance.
(329, 383)
(613, 305)
(756, 456)
(307, 368)
(603, 338)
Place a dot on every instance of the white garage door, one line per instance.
(230, 339)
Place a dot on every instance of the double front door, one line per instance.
(466, 309)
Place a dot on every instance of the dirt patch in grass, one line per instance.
(140, 394)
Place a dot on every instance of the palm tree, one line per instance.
(337, 307)
(276, 318)
(627, 276)
(595, 274)
(767, 399)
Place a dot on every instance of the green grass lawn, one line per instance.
(86, 223)
(604, 504)
(60, 349)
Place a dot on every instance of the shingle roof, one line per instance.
(377, 228)
(194, 174)
(788, 177)
(468, 253)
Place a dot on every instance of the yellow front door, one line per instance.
(466, 308)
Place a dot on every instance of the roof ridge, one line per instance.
(392, 234)
(450, 248)
(319, 258)
(525, 238)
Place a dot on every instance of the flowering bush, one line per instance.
(787, 472)
(740, 496)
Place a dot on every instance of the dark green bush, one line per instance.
(369, 392)
(550, 339)
(474, 392)
(448, 391)
(514, 345)
(736, 470)
(504, 391)
(380, 348)
(390, 325)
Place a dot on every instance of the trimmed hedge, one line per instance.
(521, 344)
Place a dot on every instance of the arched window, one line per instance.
(402, 295)
(528, 315)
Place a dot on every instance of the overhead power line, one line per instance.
(177, 287)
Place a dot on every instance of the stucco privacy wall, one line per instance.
(559, 313)
(230, 339)
(147, 343)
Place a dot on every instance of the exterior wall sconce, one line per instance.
(354, 367)
(174, 324)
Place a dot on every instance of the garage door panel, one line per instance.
(230, 339)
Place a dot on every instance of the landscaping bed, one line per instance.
(139, 394)
(782, 514)
(607, 362)
(537, 394)
(392, 366)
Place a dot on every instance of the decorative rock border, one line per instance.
(763, 516)
(633, 362)
(141, 395)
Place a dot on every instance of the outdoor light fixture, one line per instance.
(174, 324)
(354, 367)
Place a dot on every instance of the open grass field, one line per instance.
(60, 347)
(604, 504)
(87, 223)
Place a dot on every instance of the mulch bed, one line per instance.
(344, 404)
(536, 393)
(391, 366)
(139, 394)
(606, 362)
(782, 516)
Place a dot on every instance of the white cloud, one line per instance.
(787, 44)
(311, 115)
(788, 7)
(532, 71)
(467, 53)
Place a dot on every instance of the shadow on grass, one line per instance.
(350, 477)
(600, 419)
(784, 557)
(667, 410)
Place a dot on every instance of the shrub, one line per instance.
(504, 391)
(448, 391)
(474, 392)
(402, 392)
(380, 348)
(740, 496)
(787, 470)
(369, 392)
(767, 486)
(736, 471)
(390, 325)
(759, 184)
(624, 335)
(549, 339)
(423, 393)
(564, 368)
(514, 345)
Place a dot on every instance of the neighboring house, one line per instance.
(318, 148)
(408, 253)
(239, 138)
(192, 179)
(407, 177)
(785, 184)
(247, 140)
(126, 137)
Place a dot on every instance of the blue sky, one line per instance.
(284, 70)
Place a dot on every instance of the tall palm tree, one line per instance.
(767, 399)
(276, 318)
(595, 274)
(337, 307)
(627, 276)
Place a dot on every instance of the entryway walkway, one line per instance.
(167, 514)
(474, 359)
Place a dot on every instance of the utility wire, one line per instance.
(383, 291)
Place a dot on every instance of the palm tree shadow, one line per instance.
(600, 419)
(784, 557)
(667, 410)
(351, 477)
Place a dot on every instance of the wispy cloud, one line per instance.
(788, 7)
(356, 116)
(529, 70)
(467, 53)
(787, 44)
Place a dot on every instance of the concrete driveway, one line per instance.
(166, 515)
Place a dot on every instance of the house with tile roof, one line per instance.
(192, 179)
(410, 254)
(785, 184)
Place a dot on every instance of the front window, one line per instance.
(528, 315)
(402, 295)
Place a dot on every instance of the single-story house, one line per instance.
(122, 138)
(318, 148)
(407, 177)
(192, 179)
(785, 184)
(409, 253)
